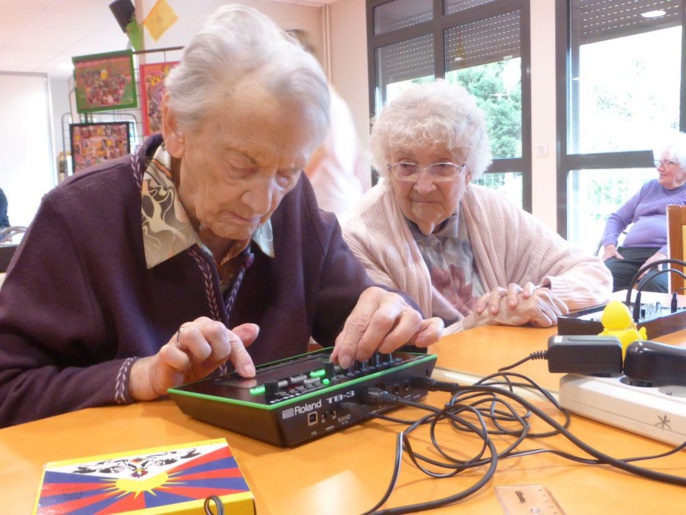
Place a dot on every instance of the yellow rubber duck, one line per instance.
(617, 321)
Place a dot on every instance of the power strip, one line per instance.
(655, 412)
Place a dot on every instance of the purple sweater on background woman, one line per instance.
(647, 210)
(78, 304)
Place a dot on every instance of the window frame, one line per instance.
(566, 162)
(437, 27)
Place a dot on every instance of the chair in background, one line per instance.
(11, 234)
(676, 233)
(600, 249)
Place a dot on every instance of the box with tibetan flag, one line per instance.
(173, 479)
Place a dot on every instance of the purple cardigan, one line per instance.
(647, 210)
(78, 300)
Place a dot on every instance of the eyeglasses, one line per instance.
(664, 163)
(440, 172)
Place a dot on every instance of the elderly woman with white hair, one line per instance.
(646, 213)
(464, 253)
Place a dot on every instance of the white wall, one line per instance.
(27, 169)
(543, 105)
(59, 97)
(192, 14)
(348, 29)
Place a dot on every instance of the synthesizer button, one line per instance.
(299, 379)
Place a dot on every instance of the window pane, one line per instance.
(399, 14)
(498, 91)
(394, 89)
(626, 93)
(484, 57)
(594, 195)
(453, 6)
(510, 184)
(484, 41)
(400, 64)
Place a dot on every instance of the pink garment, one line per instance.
(509, 245)
(338, 170)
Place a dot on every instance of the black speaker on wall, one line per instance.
(123, 11)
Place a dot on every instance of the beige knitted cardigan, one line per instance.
(509, 245)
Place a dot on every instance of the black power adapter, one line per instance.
(585, 354)
(649, 363)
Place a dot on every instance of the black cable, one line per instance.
(470, 410)
(455, 466)
(601, 457)
(635, 279)
(414, 457)
(540, 354)
(637, 303)
(675, 304)
(397, 462)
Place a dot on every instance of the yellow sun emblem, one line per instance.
(137, 486)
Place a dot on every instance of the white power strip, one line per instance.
(655, 412)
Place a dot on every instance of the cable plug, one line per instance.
(585, 354)
(434, 385)
(377, 397)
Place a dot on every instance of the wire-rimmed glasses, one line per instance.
(663, 162)
(407, 171)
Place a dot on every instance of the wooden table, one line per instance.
(348, 472)
(483, 350)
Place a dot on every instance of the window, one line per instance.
(483, 45)
(622, 66)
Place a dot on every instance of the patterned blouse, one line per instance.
(450, 260)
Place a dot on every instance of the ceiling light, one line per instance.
(654, 14)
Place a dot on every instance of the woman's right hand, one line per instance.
(610, 251)
(194, 351)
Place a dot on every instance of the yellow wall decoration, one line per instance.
(160, 18)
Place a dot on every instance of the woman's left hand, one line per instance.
(519, 305)
(514, 293)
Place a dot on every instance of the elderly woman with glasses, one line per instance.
(464, 253)
(646, 240)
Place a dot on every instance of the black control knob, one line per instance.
(329, 369)
(271, 389)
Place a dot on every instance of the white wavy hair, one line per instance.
(675, 150)
(427, 114)
(236, 44)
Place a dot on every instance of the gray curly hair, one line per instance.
(427, 114)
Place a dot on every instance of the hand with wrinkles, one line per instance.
(197, 349)
(517, 305)
(382, 321)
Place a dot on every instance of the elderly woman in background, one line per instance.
(646, 241)
(464, 253)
